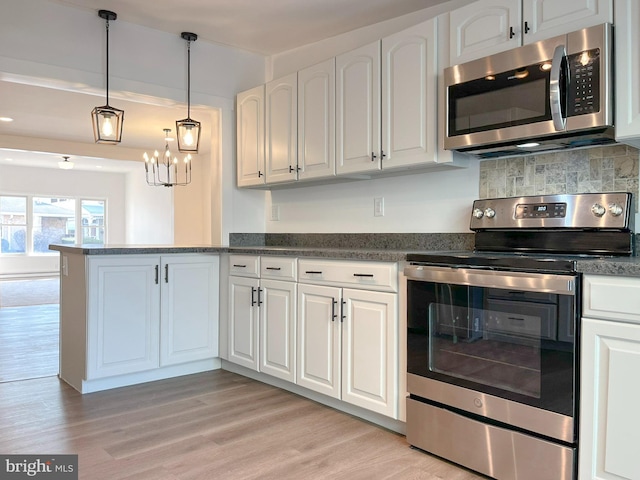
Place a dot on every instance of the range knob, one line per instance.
(598, 210)
(489, 212)
(615, 209)
(478, 213)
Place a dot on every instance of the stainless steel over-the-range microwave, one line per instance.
(548, 95)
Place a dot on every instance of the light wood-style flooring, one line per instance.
(214, 425)
(29, 342)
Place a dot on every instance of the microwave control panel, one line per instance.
(583, 95)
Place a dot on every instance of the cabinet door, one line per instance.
(483, 28)
(188, 326)
(124, 315)
(627, 40)
(316, 121)
(409, 97)
(278, 329)
(358, 110)
(319, 333)
(609, 414)
(281, 129)
(243, 321)
(370, 350)
(250, 137)
(548, 18)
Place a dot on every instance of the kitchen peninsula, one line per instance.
(134, 313)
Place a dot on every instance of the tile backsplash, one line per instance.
(598, 169)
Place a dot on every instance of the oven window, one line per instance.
(512, 344)
(495, 348)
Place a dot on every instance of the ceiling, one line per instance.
(261, 26)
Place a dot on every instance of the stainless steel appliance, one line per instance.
(549, 95)
(492, 335)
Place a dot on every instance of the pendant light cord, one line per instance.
(107, 21)
(188, 78)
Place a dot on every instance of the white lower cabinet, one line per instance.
(278, 329)
(140, 314)
(610, 362)
(243, 321)
(262, 314)
(123, 328)
(348, 338)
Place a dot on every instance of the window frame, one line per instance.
(30, 221)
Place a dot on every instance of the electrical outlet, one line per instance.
(378, 207)
(275, 213)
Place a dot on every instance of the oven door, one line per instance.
(496, 344)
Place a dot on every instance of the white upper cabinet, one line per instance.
(409, 97)
(386, 108)
(486, 27)
(316, 121)
(281, 127)
(358, 110)
(250, 137)
(483, 28)
(627, 41)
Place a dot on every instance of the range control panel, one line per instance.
(541, 210)
(585, 211)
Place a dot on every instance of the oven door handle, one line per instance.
(523, 281)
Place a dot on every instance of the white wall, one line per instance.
(419, 202)
(149, 212)
(66, 183)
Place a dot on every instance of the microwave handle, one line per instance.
(555, 90)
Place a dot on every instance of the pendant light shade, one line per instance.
(107, 120)
(188, 130)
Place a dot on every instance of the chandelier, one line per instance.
(166, 170)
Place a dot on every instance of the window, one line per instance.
(53, 222)
(29, 224)
(92, 221)
(13, 224)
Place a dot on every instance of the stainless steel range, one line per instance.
(492, 340)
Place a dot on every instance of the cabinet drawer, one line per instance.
(244, 265)
(614, 298)
(367, 275)
(281, 268)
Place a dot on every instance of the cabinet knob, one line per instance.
(511, 32)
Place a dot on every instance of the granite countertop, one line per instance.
(618, 266)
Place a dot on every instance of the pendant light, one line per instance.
(188, 130)
(167, 171)
(65, 164)
(107, 121)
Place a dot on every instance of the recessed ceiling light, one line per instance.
(98, 166)
(6, 119)
(9, 159)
